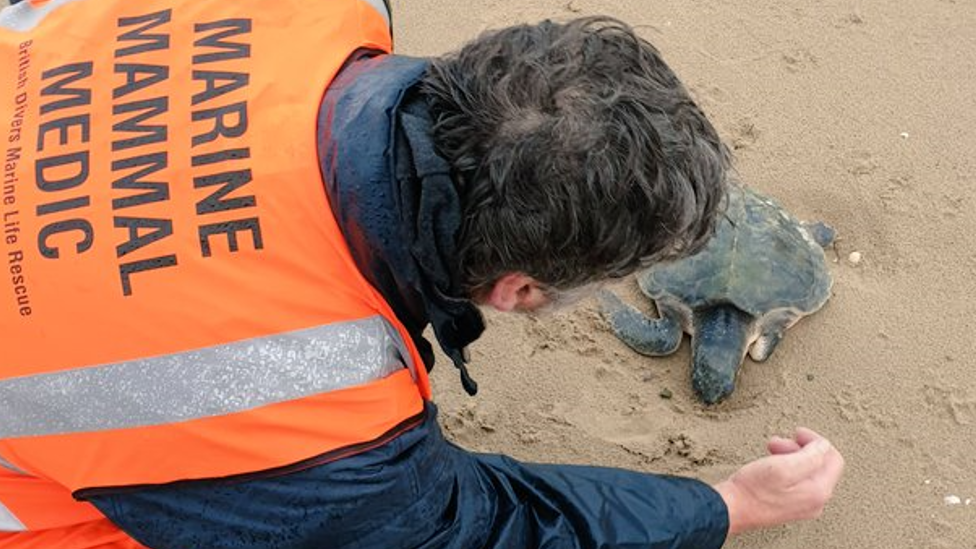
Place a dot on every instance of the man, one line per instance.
(218, 276)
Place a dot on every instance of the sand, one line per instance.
(860, 113)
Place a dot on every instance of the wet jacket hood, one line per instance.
(395, 201)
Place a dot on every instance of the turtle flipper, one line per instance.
(764, 346)
(771, 330)
(821, 232)
(718, 347)
(647, 336)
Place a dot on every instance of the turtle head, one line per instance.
(722, 335)
(713, 382)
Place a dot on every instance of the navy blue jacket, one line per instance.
(396, 205)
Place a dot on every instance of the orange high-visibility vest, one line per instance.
(176, 300)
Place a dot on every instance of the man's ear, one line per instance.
(513, 291)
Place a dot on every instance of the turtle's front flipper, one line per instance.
(648, 336)
(718, 347)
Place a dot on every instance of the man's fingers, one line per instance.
(780, 445)
(805, 436)
(829, 474)
(806, 462)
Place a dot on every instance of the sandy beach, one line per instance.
(858, 113)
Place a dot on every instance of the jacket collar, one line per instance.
(395, 200)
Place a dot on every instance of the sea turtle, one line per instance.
(758, 275)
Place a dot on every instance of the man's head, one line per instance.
(578, 154)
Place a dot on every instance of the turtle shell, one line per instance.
(760, 259)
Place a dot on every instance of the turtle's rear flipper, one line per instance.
(821, 232)
(764, 346)
(718, 347)
(772, 327)
(647, 336)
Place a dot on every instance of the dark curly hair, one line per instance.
(578, 153)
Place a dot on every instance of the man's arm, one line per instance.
(418, 490)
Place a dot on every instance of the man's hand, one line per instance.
(793, 483)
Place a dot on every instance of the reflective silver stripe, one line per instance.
(24, 17)
(380, 6)
(11, 467)
(9, 522)
(201, 383)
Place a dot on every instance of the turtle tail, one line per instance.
(719, 345)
